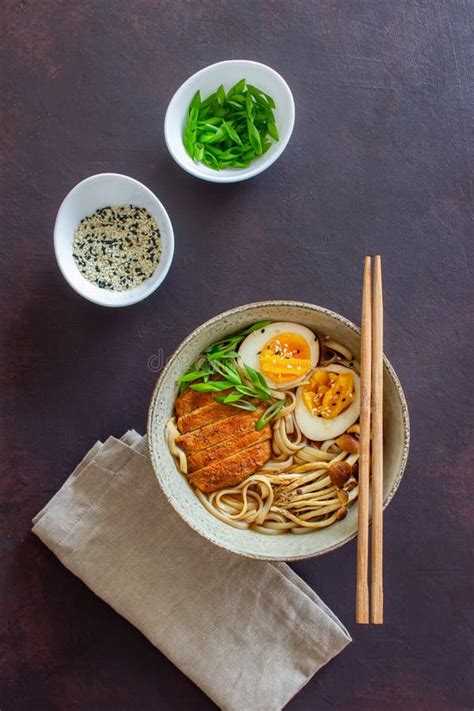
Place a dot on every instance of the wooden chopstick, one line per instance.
(377, 447)
(362, 587)
(371, 448)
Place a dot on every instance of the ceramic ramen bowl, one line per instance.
(179, 492)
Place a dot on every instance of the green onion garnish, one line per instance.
(230, 130)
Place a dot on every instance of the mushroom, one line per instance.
(355, 429)
(341, 513)
(340, 473)
(342, 495)
(348, 443)
(355, 471)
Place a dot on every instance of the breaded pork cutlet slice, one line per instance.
(216, 432)
(204, 416)
(225, 449)
(232, 470)
(191, 400)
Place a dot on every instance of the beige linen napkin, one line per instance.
(250, 634)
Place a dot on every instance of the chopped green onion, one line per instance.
(193, 375)
(230, 130)
(242, 404)
(245, 385)
(256, 378)
(269, 414)
(211, 386)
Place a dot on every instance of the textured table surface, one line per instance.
(378, 162)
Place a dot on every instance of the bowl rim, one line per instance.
(249, 307)
(245, 174)
(163, 267)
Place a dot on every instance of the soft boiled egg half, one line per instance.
(329, 403)
(283, 352)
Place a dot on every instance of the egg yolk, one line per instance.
(285, 357)
(328, 394)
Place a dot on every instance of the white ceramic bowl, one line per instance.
(207, 80)
(84, 199)
(175, 485)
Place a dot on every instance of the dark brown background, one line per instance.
(378, 162)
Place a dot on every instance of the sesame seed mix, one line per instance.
(117, 247)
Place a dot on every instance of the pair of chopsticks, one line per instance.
(371, 448)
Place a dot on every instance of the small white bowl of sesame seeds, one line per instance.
(113, 240)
